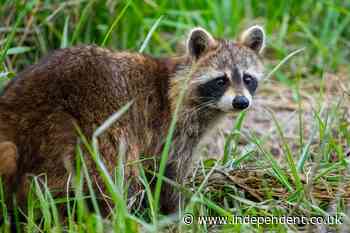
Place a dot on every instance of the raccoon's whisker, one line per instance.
(204, 104)
(201, 79)
(196, 109)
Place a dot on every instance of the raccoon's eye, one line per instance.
(250, 82)
(248, 79)
(221, 81)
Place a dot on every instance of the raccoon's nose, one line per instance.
(240, 102)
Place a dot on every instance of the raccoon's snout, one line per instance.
(240, 102)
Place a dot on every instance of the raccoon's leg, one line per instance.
(176, 170)
(136, 197)
(53, 142)
(169, 201)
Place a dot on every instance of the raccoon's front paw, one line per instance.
(8, 158)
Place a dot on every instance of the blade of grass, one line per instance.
(237, 162)
(233, 137)
(43, 204)
(3, 209)
(288, 151)
(18, 50)
(82, 19)
(56, 225)
(148, 192)
(149, 34)
(89, 183)
(108, 123)
(306, 151)
(64, 40)
(115, 22)
(280, 175)
(15, 213)
(283, 62)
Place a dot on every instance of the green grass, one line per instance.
(31, 29)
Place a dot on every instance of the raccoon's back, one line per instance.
(88, 82)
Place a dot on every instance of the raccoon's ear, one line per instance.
(199, 42)
(254, 38)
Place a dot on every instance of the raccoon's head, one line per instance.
(224, 73)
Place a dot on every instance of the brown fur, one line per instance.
(84, 85)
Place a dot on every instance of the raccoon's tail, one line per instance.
(8, 158)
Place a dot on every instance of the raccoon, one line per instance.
(82, 86)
